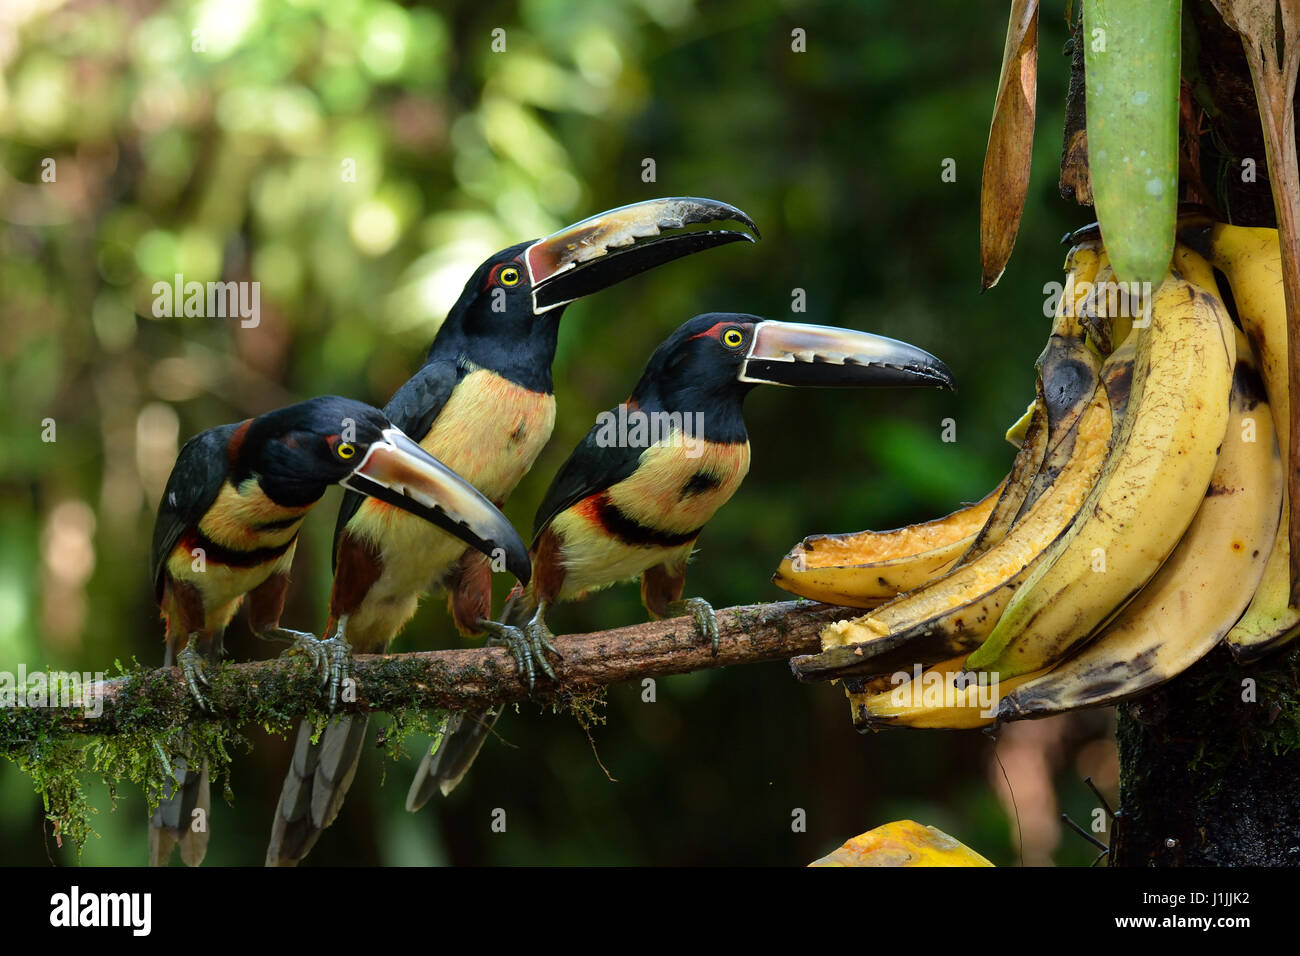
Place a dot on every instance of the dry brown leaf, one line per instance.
(1005, 181)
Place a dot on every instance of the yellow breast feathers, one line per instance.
(678, 485)
(245, 519)
(491, 431)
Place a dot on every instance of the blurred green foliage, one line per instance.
(358, 158)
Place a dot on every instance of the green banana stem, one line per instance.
(1132, 59)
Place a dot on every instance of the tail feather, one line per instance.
(173, 822)
(318, 780)
(444, 768)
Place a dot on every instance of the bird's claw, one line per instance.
(338, 666)
(308, 645)
(706, 621)
(331, 656)
(528, 645)
(191, 665)
(285, 635)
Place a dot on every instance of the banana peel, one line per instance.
(1016, 433)
(867, 568)
(1155, 597)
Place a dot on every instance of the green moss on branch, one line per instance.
(136, 733)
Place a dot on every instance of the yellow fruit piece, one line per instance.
(1200, 590)
(997, 570)
(1067, 374)
(867, 568)
(1150, 489)
(903, 843)
(1016, 433)
(942, 697)
(863, 569)
(1252, 261)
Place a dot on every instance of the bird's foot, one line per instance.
(338, 665)
(706, 621)
(331, 656)
(284, 635)
(300, 642)
(191, 664)
(528, 645)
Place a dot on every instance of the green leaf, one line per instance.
(1131, 61)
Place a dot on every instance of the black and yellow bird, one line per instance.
(483, 403)
(228, 525)
(633, 497)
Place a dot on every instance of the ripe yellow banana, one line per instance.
(1108, 311)
(953, 614)
(942, 697)
(865, 569)
(870, 567)
(1065, 380)
(1201, 590)
(1251, 260)
(1028, 462)
(1150, 488)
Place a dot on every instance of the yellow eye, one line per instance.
(732, 338)
(509, 276)
(346, 450)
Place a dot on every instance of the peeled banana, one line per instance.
(869, 567)
(1144, 519)
(1150, 488)
(1200, 590)
(1017, 432)
(942, 697)
(954, 614)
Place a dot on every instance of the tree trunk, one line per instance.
(1210, 762)
(1210, 779)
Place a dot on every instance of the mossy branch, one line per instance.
(274, 691)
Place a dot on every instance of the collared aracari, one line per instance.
(228, 525)
(633, 497)
(483, 402)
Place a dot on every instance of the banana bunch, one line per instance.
(1143, 521)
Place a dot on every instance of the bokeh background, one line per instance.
(209, 138)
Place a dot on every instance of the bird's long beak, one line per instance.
(398, 471)
(606, 249)
(789, 353)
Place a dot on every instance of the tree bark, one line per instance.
(476, 678)
(1210, 779)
